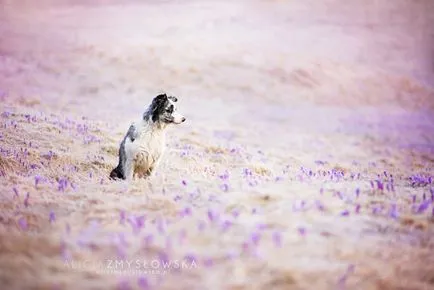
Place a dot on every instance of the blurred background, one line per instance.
(311, 120)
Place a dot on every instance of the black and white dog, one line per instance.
(144, 144)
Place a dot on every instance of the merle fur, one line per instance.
(159, 111)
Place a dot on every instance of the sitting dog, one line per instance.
(144, 144)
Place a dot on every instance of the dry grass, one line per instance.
(293, 110)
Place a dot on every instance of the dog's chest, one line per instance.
(152, 143)
(147, 148)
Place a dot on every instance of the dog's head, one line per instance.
(163, 110)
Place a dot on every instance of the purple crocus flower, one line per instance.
(16, 192)
(63, 183)
(148, 240)
(186, 212)
(212, 216)
(23, 223)
(357, 209)
(394, 211)
(357, 192)
(161, 226)
(225, 187)
(423, 206)
(226, 225)
(124, 285)
(319, 205)
(277, 239)
(190, 258)
(37, 180)
(208, 262)
(52, 217)
(380, 185)
(26, 200)
(301, 231)
(255, 237)
(143, 283)
(235, 213)
(122, 217)
(201, 225)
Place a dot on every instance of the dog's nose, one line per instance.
(183, 119)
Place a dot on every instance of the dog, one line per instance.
(142, 147)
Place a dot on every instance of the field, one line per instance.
(306, 161)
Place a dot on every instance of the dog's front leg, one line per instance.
(129, 169)
(151, 170)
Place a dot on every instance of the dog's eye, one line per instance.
(169, 109)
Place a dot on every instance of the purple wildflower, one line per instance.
(190, 258)
(140, 221)
(186, 212)
(225, 187)
(245, 246)
(226, 225)
(37, 180)
(423, 206)
(255, 237)
(277, 239)
(143, 283)
(15, 192)
(376, 209)
(394, 211)
(357, 209)
(344, 277)
(212, 216)
(208, 262)
(148, 240)
(62, 184)
(52, 217)
(319, 205)
(163, 257)
(161, 226)
(380, 185)
(26, 200)
(301, 231)
(124, 285)
(122, 217)
(184, 182)
(201, 225)
(357, 192)
(23, 223)
(182, 236)
(345, 213)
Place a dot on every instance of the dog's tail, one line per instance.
(116, 174)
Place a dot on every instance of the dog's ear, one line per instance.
(158, 104)
(160, 98)
(173, 99)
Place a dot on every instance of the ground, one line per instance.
(306, 161)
